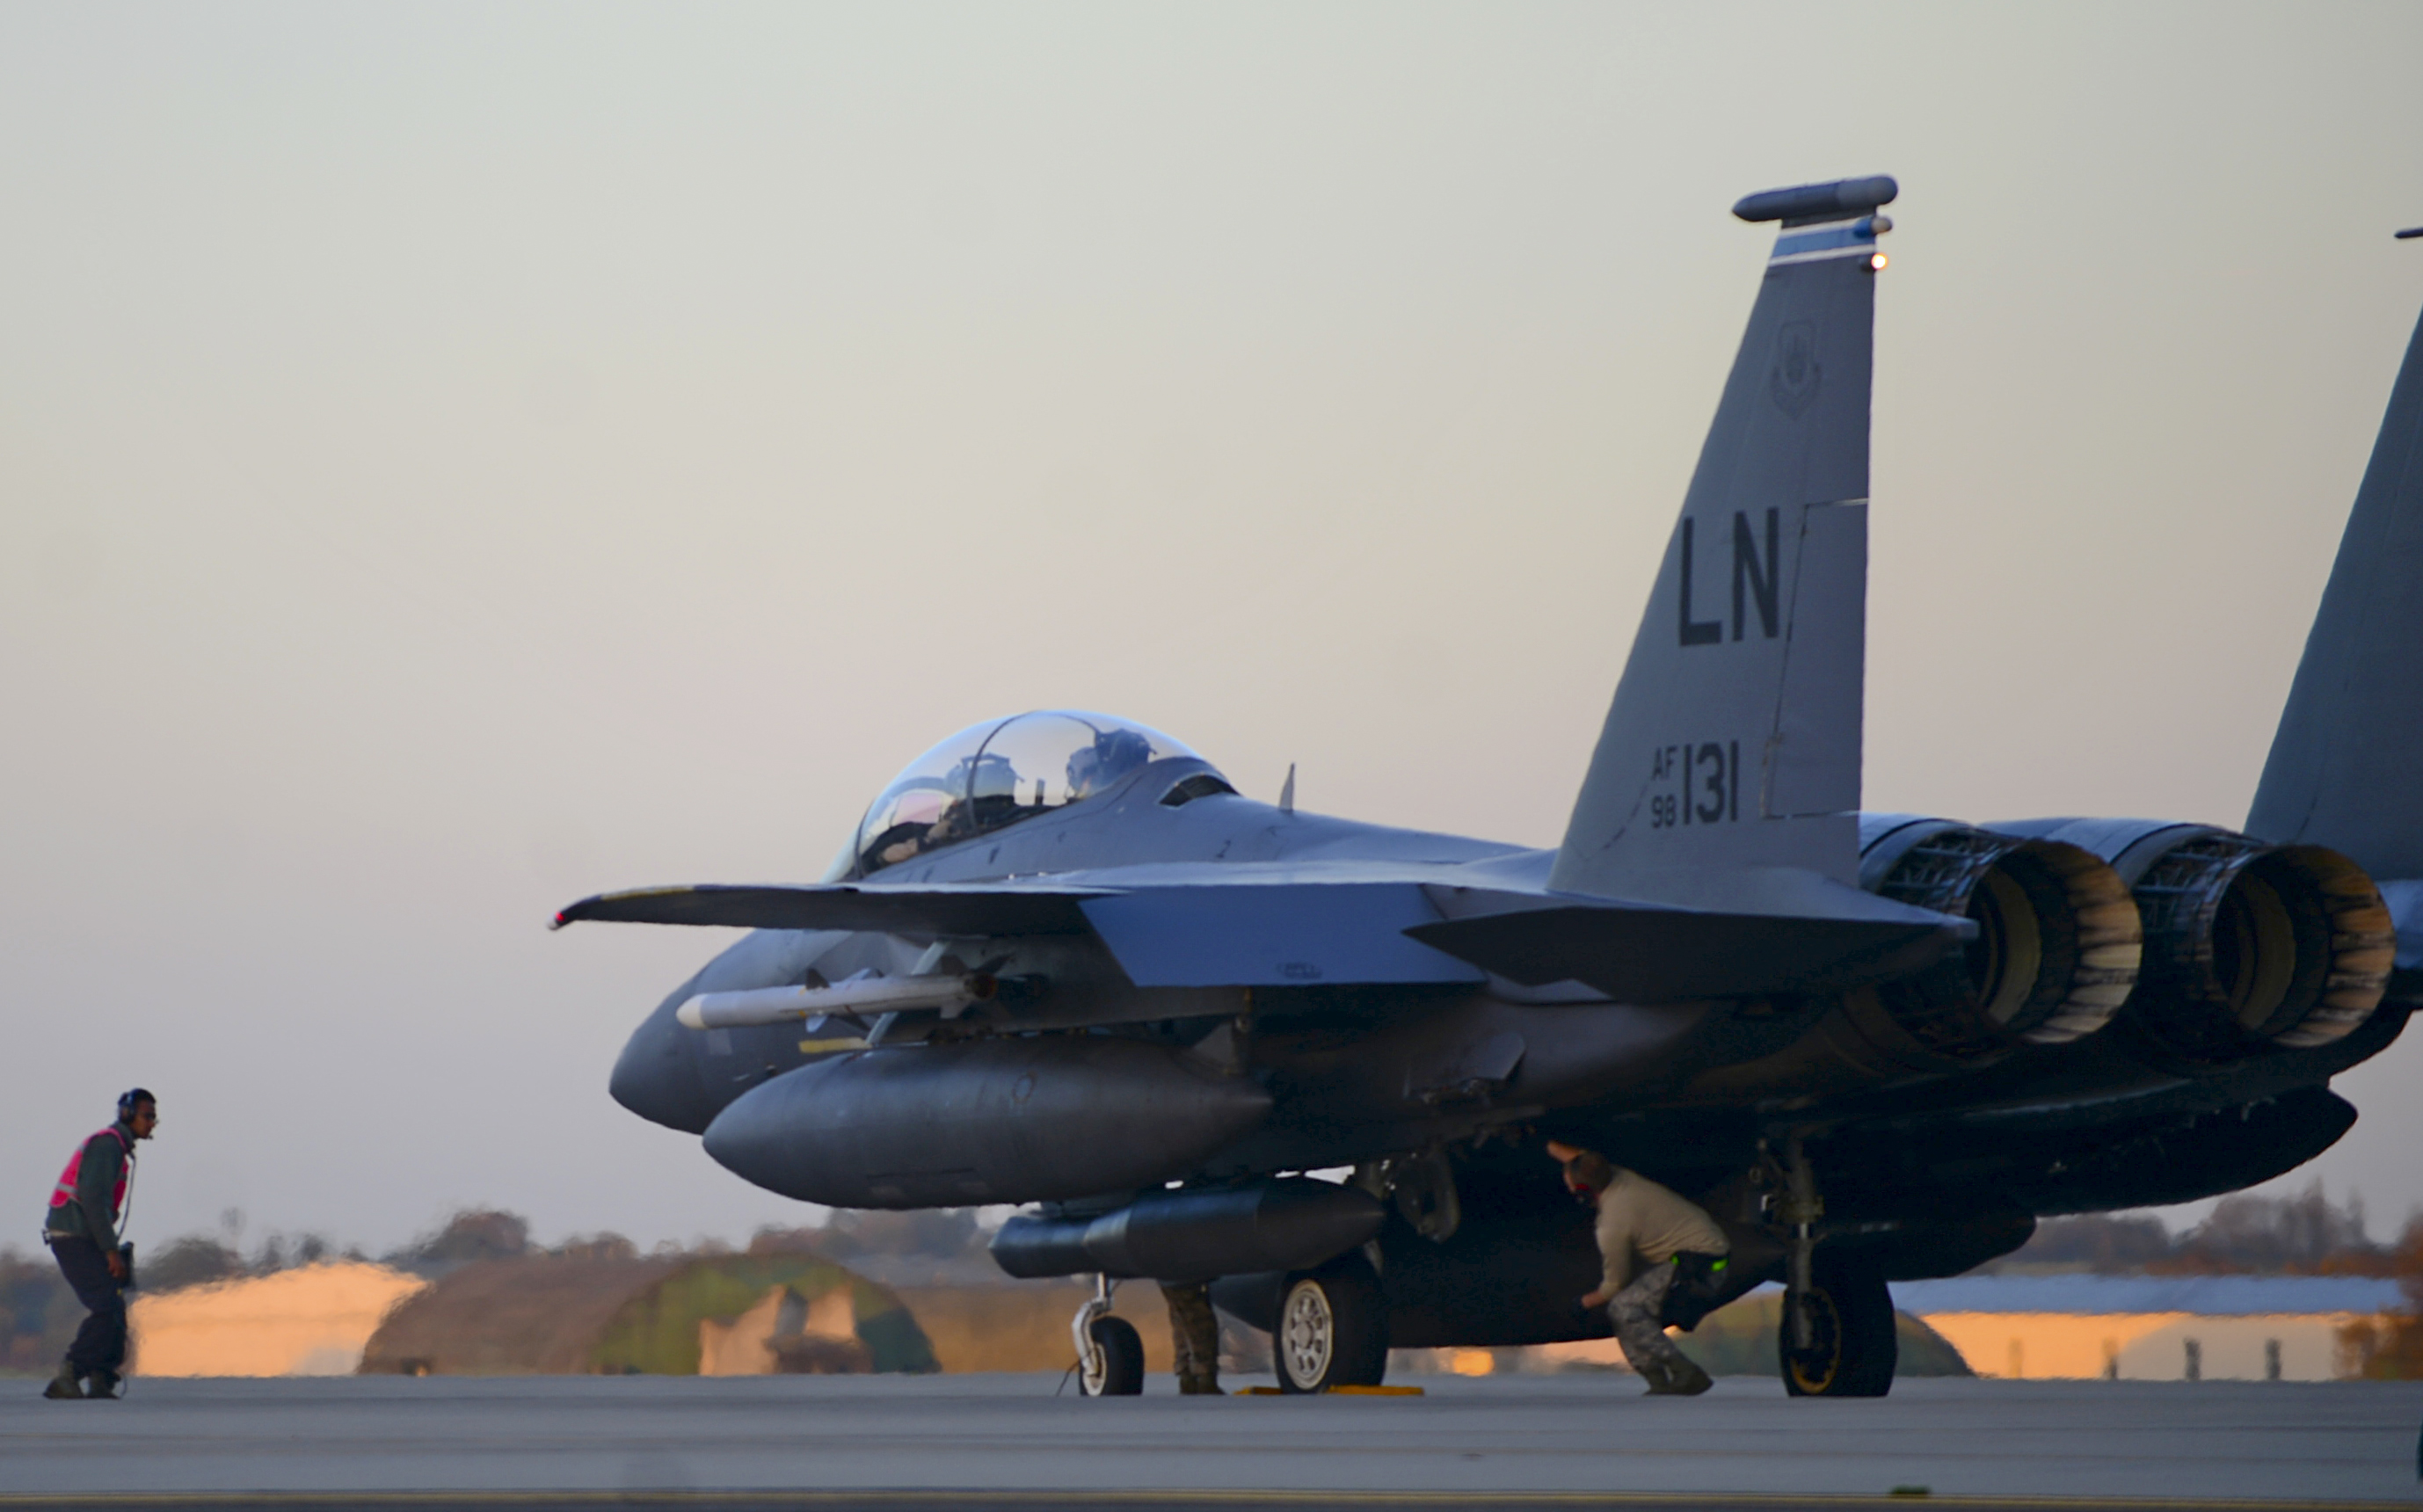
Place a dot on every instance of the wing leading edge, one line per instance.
(1257, 932)
(948, 909)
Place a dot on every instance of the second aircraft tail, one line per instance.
(2346, 768)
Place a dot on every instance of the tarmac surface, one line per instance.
(903, 1444)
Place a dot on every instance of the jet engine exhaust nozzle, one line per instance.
(2252, 948)
(2057, 947)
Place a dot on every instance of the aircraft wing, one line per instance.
(1164, 932)
(961, 909)
(1239, 926)
(1275, 934)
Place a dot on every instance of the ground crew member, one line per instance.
(1646, 1233)
(1194, 1332)
(81, 1232)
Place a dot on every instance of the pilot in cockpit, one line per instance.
(1113, 755)
(916, 816)
(999, 773)
(994, 788)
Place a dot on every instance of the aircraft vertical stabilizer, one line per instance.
(1733, 743)
(2346, 768)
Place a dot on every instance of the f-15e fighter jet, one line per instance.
(1063, 962)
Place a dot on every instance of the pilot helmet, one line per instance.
(1113, 754)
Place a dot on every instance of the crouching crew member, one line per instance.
(1646, 1234)
(81, 1232)
(1194, 1332)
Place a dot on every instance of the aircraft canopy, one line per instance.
(996, 773)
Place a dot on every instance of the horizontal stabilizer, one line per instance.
(965, 912)
(1639, 954)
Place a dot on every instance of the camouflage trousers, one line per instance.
(1194, 1332)
(1638, 1312)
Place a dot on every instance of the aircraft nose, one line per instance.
(656, 1075)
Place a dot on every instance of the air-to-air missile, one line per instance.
(875, 994)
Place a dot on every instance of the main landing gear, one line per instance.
(1332, 1328)
(1836, 1335)
(1110, 1353)
(1849, 1347)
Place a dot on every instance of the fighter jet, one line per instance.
(1064, 963)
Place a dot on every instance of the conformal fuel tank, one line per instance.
(994, 1121)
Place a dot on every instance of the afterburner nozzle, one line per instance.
(775, 1005)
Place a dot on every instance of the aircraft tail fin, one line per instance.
(2346, 768)
(1734, 741)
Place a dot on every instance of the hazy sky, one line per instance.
(454, 459)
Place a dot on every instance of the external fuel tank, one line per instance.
(1043, 1118)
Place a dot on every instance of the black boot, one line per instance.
(1678, 1376)
(101, 1386)
(65, 1387)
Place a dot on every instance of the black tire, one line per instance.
(1332, 1328)
(1856, 1347)
(1115, 1367)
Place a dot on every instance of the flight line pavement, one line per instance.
(842, 1442)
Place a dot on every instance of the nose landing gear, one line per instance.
(1109, 1352)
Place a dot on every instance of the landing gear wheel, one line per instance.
(1852, 1349)
(1113, 1364)
(1333, 1328)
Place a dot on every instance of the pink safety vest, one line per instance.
(65, 1193)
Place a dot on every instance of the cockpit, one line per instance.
(997, 773)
